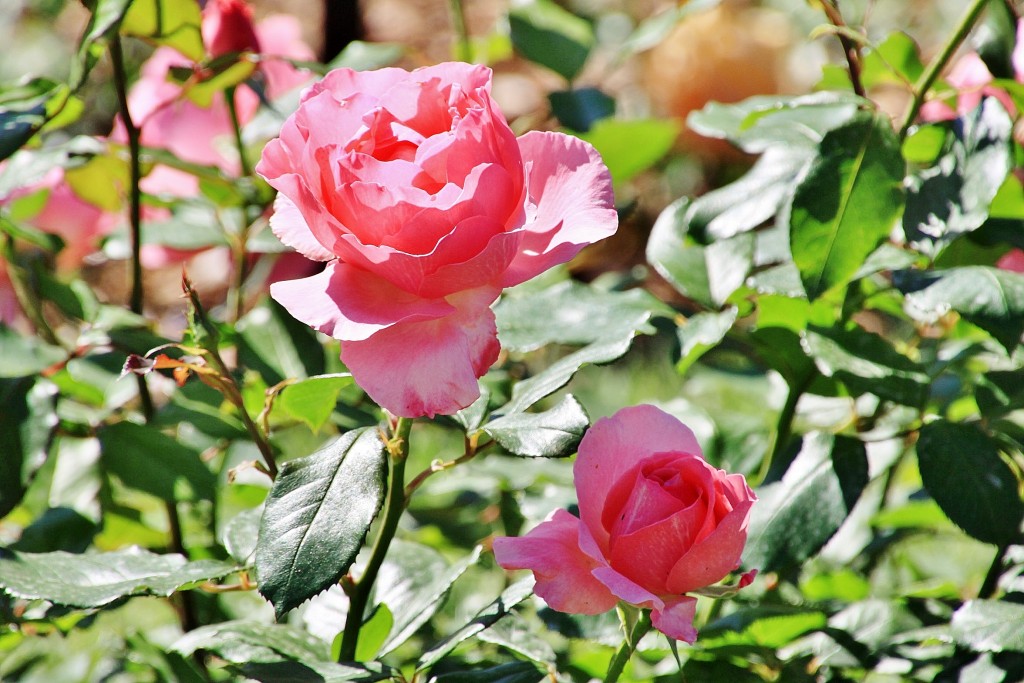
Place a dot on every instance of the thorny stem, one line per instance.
(629, 643)
(927, 79)
(472, 448)
(237, 302)
(359, 591)
(136, 297)
(227, 381)
(850, 48)
(135, 171)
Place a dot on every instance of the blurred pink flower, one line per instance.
(227, 27)
(1012, 260)
(656, 522)
(168, 120)
(414, 190)
(972, 81)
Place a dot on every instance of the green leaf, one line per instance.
(98, 579)
(708, 275)
(316, 516)
(962, 470)
(953, 196)
(241, 533)
(548, 35)
(28, 166)
(629, 147)
(554, 433)
(374, 632)
(25, 108)
(510, 597)
(796, 516)
(104, 22)
(515, 634)
(580, 109)
(414, 581)
(277, 345)
(203, 407)
(149, 460)
(751, 200)
(174, 23)
(895, 61)
(557, 375)
(867, 363)
(764, 121)
(514, 672)
(847, 203)
(764, 627)
(314, 672)
(700, 333)
(573, 313)
(244, 641)
(27, 422)
(989, 626)
(995, 38)
(312, 400)
(991, 298)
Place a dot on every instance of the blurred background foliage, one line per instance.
(877, 406)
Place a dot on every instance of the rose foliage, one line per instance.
(527, 346)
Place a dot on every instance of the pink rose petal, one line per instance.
(427, 367)
(563, 573)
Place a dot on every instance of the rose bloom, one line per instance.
(656, 522)
(424, 205)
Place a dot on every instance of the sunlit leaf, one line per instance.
(552, 434)
(98, 579)
(847, 203)
(316, 516)
(551, 36)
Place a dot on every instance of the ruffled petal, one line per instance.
(563, 572)
(570, 202)
(672, 614)
(428, 367)
(711, 558)
(616, 444)
(352, 305)
(675, 619)
(291, 228)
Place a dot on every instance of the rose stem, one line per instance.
(134, 202)
(235, 296)
(359, 593)
(927, 78)
(463, 49)
(629, 643)
(850, 48)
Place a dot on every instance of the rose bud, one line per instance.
(656, 522)
(228, 27)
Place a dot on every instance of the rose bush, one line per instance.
(424, 204)
(656, 522)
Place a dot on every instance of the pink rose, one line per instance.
(1012, 260)
(656, 521)
(414, 190)
(79, 223)
(227, 27)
